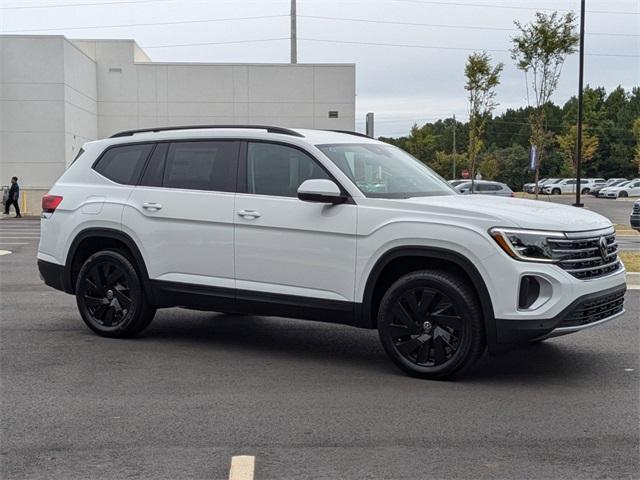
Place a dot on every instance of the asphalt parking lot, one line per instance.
(307, 400)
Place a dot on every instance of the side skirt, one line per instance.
(218, 299)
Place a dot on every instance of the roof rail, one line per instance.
(347, 132)
(268, 128)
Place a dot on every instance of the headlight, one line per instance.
(526, 245)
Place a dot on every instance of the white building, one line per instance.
(57, 93)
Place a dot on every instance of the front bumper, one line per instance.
(585, 312)
(635, 221)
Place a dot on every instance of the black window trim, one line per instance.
(241, 183)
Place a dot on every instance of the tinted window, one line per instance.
(202, 166)
(154, 172)
(124, 164)
(279, 170)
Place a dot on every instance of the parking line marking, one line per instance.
(5, 252)
(14, 243)
(242, 467)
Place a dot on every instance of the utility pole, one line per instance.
(294, 34)
(454, 147)
(579, 135)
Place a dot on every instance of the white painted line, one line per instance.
(633, 287)
(4, 252)
(242, 467)
(11, 237)
(14, 243)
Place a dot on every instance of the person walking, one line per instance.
(12, 199)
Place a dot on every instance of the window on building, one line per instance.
(279, 170)
(209, 165)
(124, 164)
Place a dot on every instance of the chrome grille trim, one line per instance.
(581, 253)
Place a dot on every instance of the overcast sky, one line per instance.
(401, 84)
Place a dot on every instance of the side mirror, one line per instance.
(321, 191)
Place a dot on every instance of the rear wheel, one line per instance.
(556, 191)
(110, 296)
(585, 191)
(430, 324)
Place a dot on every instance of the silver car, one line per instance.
(486, 187)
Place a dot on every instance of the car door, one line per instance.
(288, 250)
(181, 213)
(634, 189)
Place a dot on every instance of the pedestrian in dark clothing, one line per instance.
(12, 199)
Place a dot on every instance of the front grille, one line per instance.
(594, 310)
(636, 208)
(586, 258)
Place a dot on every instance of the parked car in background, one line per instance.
(486, 187)
(531, 187)
(568, 185)
(626, 189)
(634, 220)
(612, 182)
(455, 183)
(635, 216)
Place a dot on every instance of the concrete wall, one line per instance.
(56, 94)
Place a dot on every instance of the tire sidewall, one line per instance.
(126, 327)
(440, 282)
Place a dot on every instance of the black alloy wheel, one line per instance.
(110, 297)
(430, 324)
(623, 194)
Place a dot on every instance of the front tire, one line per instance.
(430, 325)
(556, 191)
(110, 296)
(584, 191)
(623, 194)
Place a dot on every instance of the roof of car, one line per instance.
(312, 136)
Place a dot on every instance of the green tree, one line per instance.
(489, 167)
(482, 79)
(567, 145)
(539, 50)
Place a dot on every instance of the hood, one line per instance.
(515, 212)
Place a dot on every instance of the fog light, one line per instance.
(529, 291)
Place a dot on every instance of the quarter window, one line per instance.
(208, 165)
(124, 164)
(279, 170)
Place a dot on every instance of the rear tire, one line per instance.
(556, 191)
(430, 325)
(585, 191)
(110, 296)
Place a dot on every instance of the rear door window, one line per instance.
(124, 164)
(206, 165)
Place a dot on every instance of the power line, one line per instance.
(61, 5)
(441, 47)
(510, 7)
(146, 24)
(216, 43)
(440, 25)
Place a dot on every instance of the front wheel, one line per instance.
(556, 191)
(430, 324)
(623, 194)
(110, 296)
(585, 191)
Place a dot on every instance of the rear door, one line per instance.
(181, 213)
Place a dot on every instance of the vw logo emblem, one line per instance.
(603, 248)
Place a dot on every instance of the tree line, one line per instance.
(499, 147)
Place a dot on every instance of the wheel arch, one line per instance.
(91, 240)
(431, 257)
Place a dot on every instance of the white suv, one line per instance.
(320, 225)
(568, 185)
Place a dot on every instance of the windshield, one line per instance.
(385, 171)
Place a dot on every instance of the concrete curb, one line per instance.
(633, 280)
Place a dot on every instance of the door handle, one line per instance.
(249, 214)
(151, 206)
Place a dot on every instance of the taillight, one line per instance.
(50, 203)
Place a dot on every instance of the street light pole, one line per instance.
(579, 133)
(454, 146)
